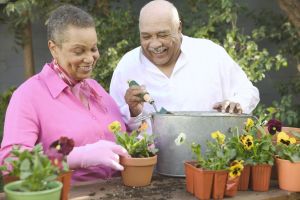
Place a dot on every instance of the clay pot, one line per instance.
(260, 177)
(203, 182)
(288, 175)
(232, 186)
(65, 178)
(244, 178)
(219, 184)
(189, 168)
(137, 171)
(8, 179)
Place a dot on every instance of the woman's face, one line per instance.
(78, 53)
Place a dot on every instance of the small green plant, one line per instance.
(257, 141)
(33, 167)
(36, 169)
(138, 143)
(218, 155)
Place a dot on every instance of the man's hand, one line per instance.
(134, 102)
(228, 106)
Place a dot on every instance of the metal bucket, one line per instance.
(197, 126)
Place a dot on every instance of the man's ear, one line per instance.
(180, 27)
(53, 48)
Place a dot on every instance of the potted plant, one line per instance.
(262, 153)
(243, 144)
(288, 162)
(37, 176)
(208, 174)
(138, 168)
(36, 170)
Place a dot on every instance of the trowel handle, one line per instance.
(145, 96)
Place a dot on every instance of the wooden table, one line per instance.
(161, 188)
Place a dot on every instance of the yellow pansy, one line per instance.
(249, 124)
(292, 140)
(220, 137)
(247, 140)
(114, 127)
(143, 126)
(282, 137)
(236, 168)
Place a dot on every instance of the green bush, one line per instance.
(4, 100)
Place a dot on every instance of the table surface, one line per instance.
(161, 188)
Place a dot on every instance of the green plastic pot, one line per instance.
(11, 192)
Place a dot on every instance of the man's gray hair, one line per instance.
(65, 16)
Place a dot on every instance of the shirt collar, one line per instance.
(55, 84)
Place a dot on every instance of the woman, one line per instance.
(62, 101)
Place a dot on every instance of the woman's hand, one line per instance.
(103, 152)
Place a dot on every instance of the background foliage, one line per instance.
(218, 20)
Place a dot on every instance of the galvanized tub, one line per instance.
(197, 126)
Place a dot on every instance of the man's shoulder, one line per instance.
(130, 59)
(132, 55)
(199, 42)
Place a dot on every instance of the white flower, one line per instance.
(180, 139)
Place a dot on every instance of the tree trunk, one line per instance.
(28, 50)
(292, 10)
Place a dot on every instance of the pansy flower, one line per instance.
(247, 141)
(274, 126)
(249, 124)
(217, 135)
(64, 145)
(236, 168)
(180, 139)
(114, 127)
(283, 138)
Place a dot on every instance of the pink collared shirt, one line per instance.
(44, 108)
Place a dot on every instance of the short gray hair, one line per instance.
(65, 16)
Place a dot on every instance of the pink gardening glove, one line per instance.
(103, 152)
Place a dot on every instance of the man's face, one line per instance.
(78, 53)
(160, 40)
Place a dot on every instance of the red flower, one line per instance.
(64, 145)
(274, 126)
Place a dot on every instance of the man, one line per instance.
(179, 72)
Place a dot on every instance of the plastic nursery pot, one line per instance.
(232, 186)
(189, 168)
(12, 193)
(260, 177)
(219, 185)
(203, 182)
(288, 175)
(137, 171)
(244, 178)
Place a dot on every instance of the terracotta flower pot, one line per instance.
(8, 179)
(288, 175)
(189, 168)
(219, 184)
(244, 178)
(64, 178)
(137, 171)
(260, 177)
(203, 181)
(232, 186)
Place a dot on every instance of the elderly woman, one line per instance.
(62, 100)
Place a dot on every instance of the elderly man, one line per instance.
(180, 73)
